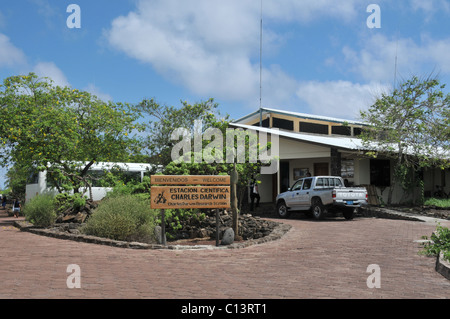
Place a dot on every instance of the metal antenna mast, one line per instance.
(260, 67)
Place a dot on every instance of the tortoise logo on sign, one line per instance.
(160, 199)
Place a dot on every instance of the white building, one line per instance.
(38, 183)
(327, 146)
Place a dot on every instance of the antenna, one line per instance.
(260, 67)
(395, 68)
(396, 55)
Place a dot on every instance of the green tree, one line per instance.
(164, 119)
(411, 126)
(17, 177)
(62, 130)
(247, 168)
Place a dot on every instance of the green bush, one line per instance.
(126, 217)
(174, 219)
(64, 201)
(440, 241)
(142, 189)
(438, 202)
(40, 210)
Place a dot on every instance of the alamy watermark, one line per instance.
(241, 146)
(74, 19)
(373, 20)
(74, 279)
(374, 280)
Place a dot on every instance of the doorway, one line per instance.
(321, 169)
(284, 176)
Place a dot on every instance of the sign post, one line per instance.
(190, 191)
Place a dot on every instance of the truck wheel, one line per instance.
(282, 210)
(348, 214)
(318, 210)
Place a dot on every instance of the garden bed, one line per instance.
(70, 231)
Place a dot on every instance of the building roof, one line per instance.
(342, 142)
(265, 110)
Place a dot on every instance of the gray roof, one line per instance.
(342, 142)
(265, 110)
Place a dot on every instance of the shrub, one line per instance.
(131, 188)
(64, 201)
(40, 210)
(438, 202)
(175, 218)
(440, 241)
(125, 217)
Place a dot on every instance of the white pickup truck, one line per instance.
(319, 194)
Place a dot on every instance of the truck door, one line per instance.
(293, 200)
(304, 194)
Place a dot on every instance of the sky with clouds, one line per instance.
(318, 57)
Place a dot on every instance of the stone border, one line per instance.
(379, 212)
(443, 266)
(276, 233)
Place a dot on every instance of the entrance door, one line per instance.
(284, 176)
(320, 169)
(304, 196)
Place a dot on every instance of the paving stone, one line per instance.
(314, 259)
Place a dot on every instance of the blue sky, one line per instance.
(319, 57)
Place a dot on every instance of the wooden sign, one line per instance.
(190, 180)
(173, 196)
(190, 197)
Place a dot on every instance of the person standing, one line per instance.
(254, 194)
(16, 208)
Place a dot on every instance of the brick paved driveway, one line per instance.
(326, 259)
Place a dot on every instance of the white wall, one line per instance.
(290, 149)
(362, 171)
(32, 190)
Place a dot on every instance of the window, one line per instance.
(265, 123)
(313, 128)
(33, 178)
(347, 169)
(319, 182)
(297, 185)
(341, 130)
(283, 124)
(357, 131)
(322, 182)
(380, 172)
(307, 184)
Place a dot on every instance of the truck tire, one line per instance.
(348, 214)
(282, 210)
(317, 209)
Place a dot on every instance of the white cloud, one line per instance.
(10, 55)
(212, 49)
(306, 11)
(376, 61)
(430, 6)
(49, 69)
(91, 88)
(211, 46)
(341, 99)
